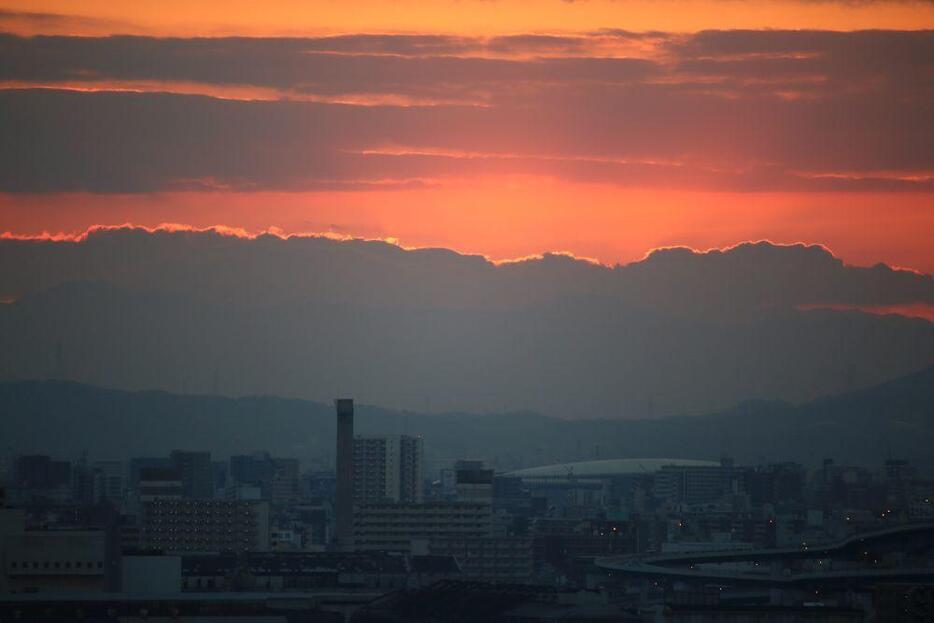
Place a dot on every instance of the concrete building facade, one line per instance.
(184, 525)
(409, 527)
(196, 472)
(388, 468)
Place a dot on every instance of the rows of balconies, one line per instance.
(53, 566)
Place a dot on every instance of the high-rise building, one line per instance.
(197, 473)
(388, 468)
(109, 480)
(344, 495)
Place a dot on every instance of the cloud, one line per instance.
(750, 275)
(732, 110)
(35, 22)
(204, 310)
(761, 274)
(402, 65)
(122, 142)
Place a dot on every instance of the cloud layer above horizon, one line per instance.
(726, 111)
(678, 332)
(603, 142)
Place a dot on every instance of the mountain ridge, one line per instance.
(864, 427)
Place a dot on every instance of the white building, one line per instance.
(388, 468)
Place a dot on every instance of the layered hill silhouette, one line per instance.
(895, 419)
(680, 332)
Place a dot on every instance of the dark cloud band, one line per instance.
(731, 110)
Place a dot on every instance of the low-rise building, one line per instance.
(400, 527)
(505, 559)
(189, 525)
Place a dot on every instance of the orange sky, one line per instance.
(301, 17)
(504, 159)
(506, 219)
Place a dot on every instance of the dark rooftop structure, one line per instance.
(456, 601)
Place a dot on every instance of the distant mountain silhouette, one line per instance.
(895, 419)
(433, 330)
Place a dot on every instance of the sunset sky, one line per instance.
(604, 128)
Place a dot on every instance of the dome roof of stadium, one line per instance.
(606, 468)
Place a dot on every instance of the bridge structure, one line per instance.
(903, 553)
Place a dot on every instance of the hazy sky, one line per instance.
(604, 128)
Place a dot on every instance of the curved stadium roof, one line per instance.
(606, 468)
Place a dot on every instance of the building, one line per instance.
(899, 477)
(153, 574)
(186, 525)
(388, 468)
(243, 492)
(473, 483)
(695, 484)
(462, 528)
(204, 607)
(38, 477)
(776, 484)
(38, 471)
(36, 561)
(344, 494)
(284, 485)
(159, 483)
(453, 600)
(276, 478)
(578, 490)
(251, 468)
(294, 571)
(196, 472)
(109, 481)
(504, 559)
(410, 527)
(426, 569)
(139, 463)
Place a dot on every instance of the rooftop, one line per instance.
(606, 468)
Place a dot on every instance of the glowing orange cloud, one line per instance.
(504, 218)
(221, 230)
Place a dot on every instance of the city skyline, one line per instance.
(461, 311)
